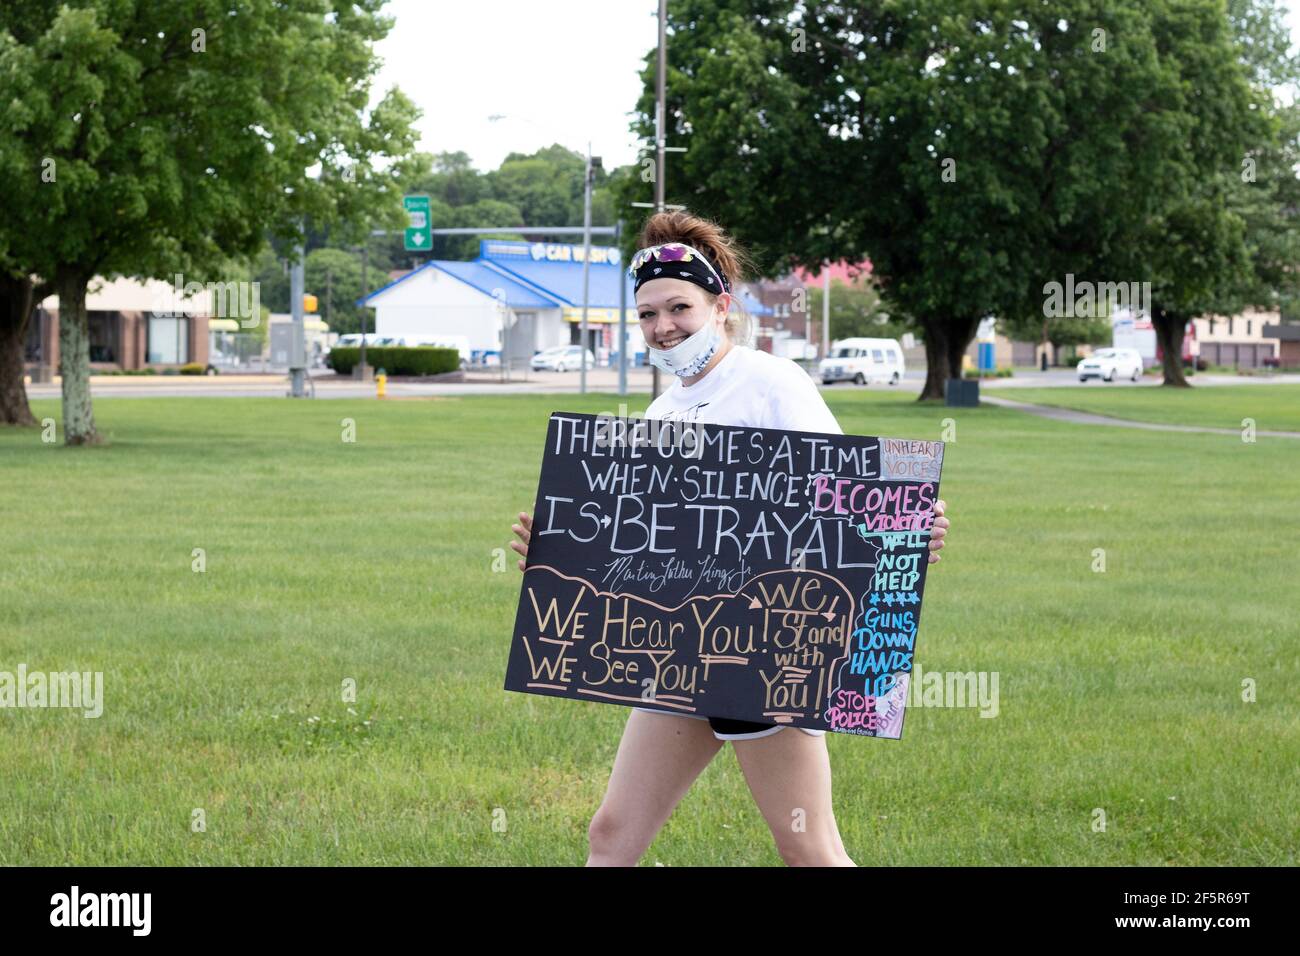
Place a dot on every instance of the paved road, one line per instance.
(485, 383)
(1088, 418)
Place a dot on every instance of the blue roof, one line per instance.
(486, 279)
(481, 277)
(530, 282)
(563, 280)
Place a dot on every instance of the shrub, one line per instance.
(996, 373)
(192, 368)
(417, 360)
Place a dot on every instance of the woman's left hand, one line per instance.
(938, 531)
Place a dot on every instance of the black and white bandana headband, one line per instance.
(676, 260)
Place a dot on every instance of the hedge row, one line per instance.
(417, 360)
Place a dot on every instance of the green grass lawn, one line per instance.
(373, 561)
(1273, 407)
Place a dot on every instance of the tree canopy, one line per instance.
(974, 152)
(150, 139)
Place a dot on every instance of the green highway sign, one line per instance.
(418, 237)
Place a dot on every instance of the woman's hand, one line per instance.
(938, 531)
(525, 531)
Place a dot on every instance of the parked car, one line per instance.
(862, 361)
(561, 358)
(353, 340)
(1105, 364)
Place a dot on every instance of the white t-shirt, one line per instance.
(751, 388)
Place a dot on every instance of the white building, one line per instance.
(516, 299)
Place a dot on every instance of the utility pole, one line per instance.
(363, 372)
(661, 70)
(592, 163)
(298, 338)
(826, 310)
(622, 316)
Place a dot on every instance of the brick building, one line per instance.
(133, 325)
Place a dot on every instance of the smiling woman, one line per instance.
(684, 274)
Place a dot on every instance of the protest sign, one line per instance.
(724, 571)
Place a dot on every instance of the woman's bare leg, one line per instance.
(658, 759)
(789, 774)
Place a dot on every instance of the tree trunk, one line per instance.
(960, 333)
(74, 358)
(15, 308)
(1169, 333)
(936, 360)
(945, 344)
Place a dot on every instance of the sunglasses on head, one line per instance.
(667, 252)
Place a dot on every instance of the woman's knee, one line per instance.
(603, 828)
(807, 849)
(611, 833)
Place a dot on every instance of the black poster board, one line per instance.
(721, 571)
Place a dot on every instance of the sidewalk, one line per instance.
(1090, 418)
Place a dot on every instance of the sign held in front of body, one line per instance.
(721, 571)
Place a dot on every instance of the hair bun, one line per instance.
(711, 239)
(705, 235)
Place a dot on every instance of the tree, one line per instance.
(334, 277)
(856, 311)
(546, 187)
(973, 151)
(1222, 234)
(1197, 248)
(174, 136)
(1266, 194)
(18, 295)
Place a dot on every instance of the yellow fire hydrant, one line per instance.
(381, 384)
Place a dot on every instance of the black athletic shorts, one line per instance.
(724, 728)
(725, 725)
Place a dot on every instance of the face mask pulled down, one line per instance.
(688, 357)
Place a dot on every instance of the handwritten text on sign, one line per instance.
(757, 574)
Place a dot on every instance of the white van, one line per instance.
(863, 360)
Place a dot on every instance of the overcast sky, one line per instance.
(561, 71)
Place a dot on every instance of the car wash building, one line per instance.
(515, 299)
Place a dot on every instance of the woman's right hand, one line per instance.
(525, 531)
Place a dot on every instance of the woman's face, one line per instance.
(672, 309)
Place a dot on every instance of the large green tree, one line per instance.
(973, 150)
(152, 138)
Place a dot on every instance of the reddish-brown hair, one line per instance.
(712, 240)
